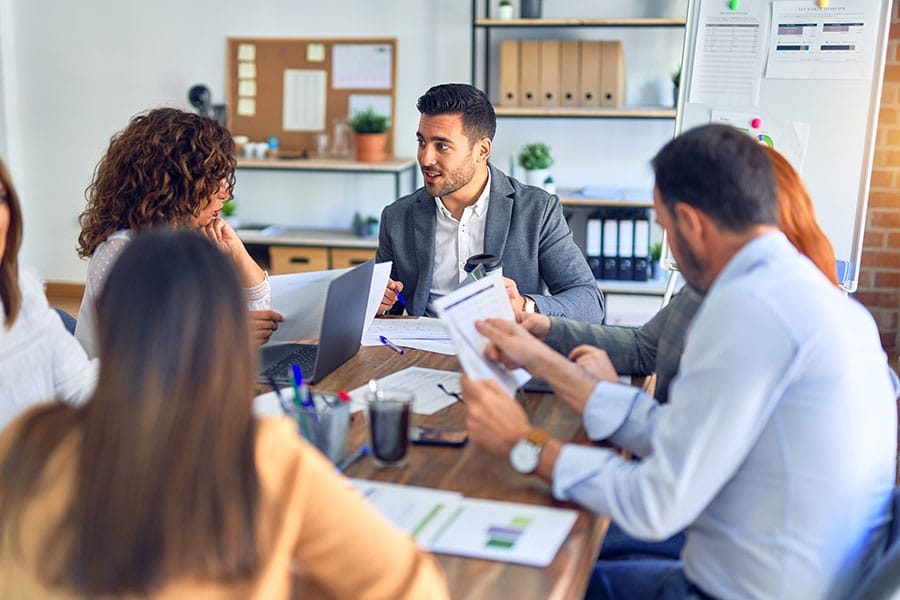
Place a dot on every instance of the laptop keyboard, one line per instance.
(303, 355)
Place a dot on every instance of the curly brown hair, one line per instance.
(161, 169)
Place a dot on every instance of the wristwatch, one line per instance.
(528, 305)
(526, 454)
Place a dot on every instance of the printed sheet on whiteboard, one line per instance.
(361, 66)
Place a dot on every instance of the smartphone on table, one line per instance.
(438, 437)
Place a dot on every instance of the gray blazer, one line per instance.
(654, 347)
(525, 227)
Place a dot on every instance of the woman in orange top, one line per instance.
(164, 485)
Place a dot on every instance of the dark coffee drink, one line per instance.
(389, 428)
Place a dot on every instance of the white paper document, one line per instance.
(790, 138)
(485, 298)
(728, 59)
(835, 42)
(300, 298)
(424, 333)
(448, 523)
(425, 384)
(380, 276)
(361, 66)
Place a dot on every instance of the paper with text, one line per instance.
(485, 298)
(423, 383)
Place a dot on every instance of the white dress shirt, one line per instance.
(777, 448)
(39, 360)
(455, 241)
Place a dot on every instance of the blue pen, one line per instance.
(301, 394)
(390, 344)
(284, 404)
(348, 461)
(400, 299)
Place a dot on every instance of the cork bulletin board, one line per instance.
(293, 89)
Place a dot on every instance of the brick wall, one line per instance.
(879, 280)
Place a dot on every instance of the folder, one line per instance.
(589, 77)
(641, 249)
(609, 268)
(529, 73)
(549, 73)
(593, 247)
(509, 73)
(625, 260)
(612, 75)
(569, 71)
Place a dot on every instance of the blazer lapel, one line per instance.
(424, 228)
(499, 215)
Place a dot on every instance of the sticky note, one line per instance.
(246, 107)
(246, 52)
(246, 70)
(315, 52)
(247, 87)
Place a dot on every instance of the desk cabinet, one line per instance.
(297, 259)
(295, 250)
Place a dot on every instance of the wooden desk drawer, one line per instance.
(297, 259)
(342, 258)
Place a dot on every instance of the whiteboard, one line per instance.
(805, 77)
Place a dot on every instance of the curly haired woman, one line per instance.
(167, 167)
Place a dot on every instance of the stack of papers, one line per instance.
(448, 523)
(424, 333)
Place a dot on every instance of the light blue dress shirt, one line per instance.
(777, 448)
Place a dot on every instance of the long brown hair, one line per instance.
(161, 169)
(10, 294)
(797, 217)
(166, 484)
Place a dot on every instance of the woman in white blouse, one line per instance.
(39, 360)
(167, 167)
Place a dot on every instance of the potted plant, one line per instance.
(536, 160)
(365, 226)
(676, 81)
(505, 10)
(371, 135)
(228, 213)
(655, 255)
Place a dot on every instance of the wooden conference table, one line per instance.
(477, 475)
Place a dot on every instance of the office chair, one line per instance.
(884, 579)
(67, 319)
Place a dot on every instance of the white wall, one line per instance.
(72, 73)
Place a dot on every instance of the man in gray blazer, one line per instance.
(469, 207)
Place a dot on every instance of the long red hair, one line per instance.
(797, 217)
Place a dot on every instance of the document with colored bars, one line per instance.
(449, 523)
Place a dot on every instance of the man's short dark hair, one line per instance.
(721, 171)
(477, 112)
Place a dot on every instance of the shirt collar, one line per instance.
(754, 252)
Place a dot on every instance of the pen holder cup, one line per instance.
(388, 413)
(325, 426)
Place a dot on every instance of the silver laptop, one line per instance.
(342, 325)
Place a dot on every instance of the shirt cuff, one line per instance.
(607, 408)
(578, 471)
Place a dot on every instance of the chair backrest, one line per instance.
(884, 579)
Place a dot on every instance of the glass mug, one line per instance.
(388, 414)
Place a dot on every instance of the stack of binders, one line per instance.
(570, 73)
(617, 243)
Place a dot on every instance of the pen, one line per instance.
(400, 299)
(390, 344)
(284, 404)
(301, 394)
(348, 461)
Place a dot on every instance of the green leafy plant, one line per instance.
(676, 76)
(505, 3)
(535, 156)
(369, 121)
(655, 250)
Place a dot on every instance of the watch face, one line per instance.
(524, 456)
